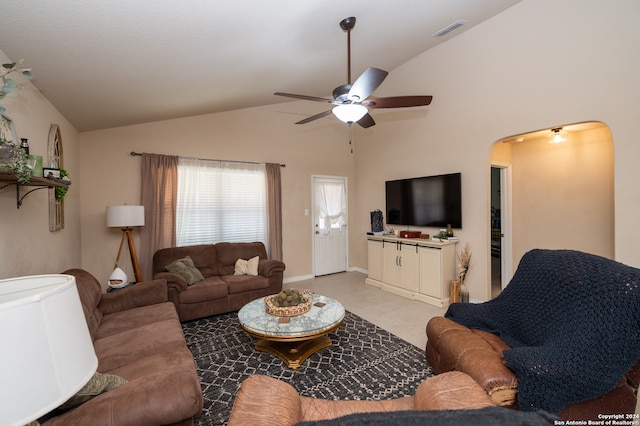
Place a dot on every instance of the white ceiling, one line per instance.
(118, 62)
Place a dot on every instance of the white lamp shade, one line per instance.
(125, 216)
(47, 353)
(349, 113)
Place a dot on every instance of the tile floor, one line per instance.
(405, 318)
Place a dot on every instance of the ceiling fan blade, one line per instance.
(366, 121)
(398, 101)
(304, 97)
(366, 84)
(314, 117)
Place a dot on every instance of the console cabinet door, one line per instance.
(391, 272)
(375, 259)
(431, 272)
(409, 264)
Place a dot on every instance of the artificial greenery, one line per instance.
(61, 191)
(9, 85)
(16, 161)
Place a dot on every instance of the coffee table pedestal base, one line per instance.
(293, 353)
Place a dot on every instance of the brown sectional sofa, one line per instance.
(136, 335)
(221, 291)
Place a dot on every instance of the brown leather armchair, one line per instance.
(263, 400)
(454, 347)
(562, 337)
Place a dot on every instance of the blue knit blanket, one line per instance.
(573, 322)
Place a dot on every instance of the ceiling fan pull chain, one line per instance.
(351, 137)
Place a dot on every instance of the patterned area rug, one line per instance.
(364, 362)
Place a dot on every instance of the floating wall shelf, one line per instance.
(9, 179)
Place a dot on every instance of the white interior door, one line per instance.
(330, 221)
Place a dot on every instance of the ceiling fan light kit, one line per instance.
(349, 113)
(351, 100)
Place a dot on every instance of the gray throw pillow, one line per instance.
(186, 269)
(98, 384)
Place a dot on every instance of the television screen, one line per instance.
(425, 201)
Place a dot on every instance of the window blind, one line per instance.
(220, 201)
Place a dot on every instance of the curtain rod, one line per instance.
(137, 154)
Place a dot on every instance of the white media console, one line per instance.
(412, 267)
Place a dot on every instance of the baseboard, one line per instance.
(309, 277)
(298, 278)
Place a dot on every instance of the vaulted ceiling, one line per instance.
(120, 62)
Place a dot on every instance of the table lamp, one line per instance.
(47, 353)
(126, 217)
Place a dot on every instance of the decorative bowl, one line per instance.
(288, 311)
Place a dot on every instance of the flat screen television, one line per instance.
(425, 201)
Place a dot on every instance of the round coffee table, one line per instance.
(292, 339)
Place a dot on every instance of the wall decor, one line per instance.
(50, 173)
(55, 161)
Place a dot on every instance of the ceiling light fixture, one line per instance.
(558, 135)
(349, 113)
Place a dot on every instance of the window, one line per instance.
(220, 201)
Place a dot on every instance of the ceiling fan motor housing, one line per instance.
(340, 93)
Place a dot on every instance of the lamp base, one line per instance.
(127, 233)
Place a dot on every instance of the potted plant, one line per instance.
(61, 191)
(14, 158)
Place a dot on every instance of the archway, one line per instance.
(561, 192)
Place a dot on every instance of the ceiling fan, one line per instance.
(352, 102)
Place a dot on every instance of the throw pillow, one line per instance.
(186, 269)
(98, 384)
(247, 267)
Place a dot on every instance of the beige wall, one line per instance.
(26, 245)
(266, 134)
(563, 194)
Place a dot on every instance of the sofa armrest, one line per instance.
(268, 267)
(263, 400)
(134, 296)
(451, 391)
(461, 349)
(174, 281)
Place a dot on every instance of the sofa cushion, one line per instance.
(186, 269)
(228, 253)
(243, 283)
(207, 289)
(164, 397)
(119, 322)
(125, 348)
(204, 258)
(247, 267)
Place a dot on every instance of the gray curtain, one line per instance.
(159, 197)
(274, 207)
